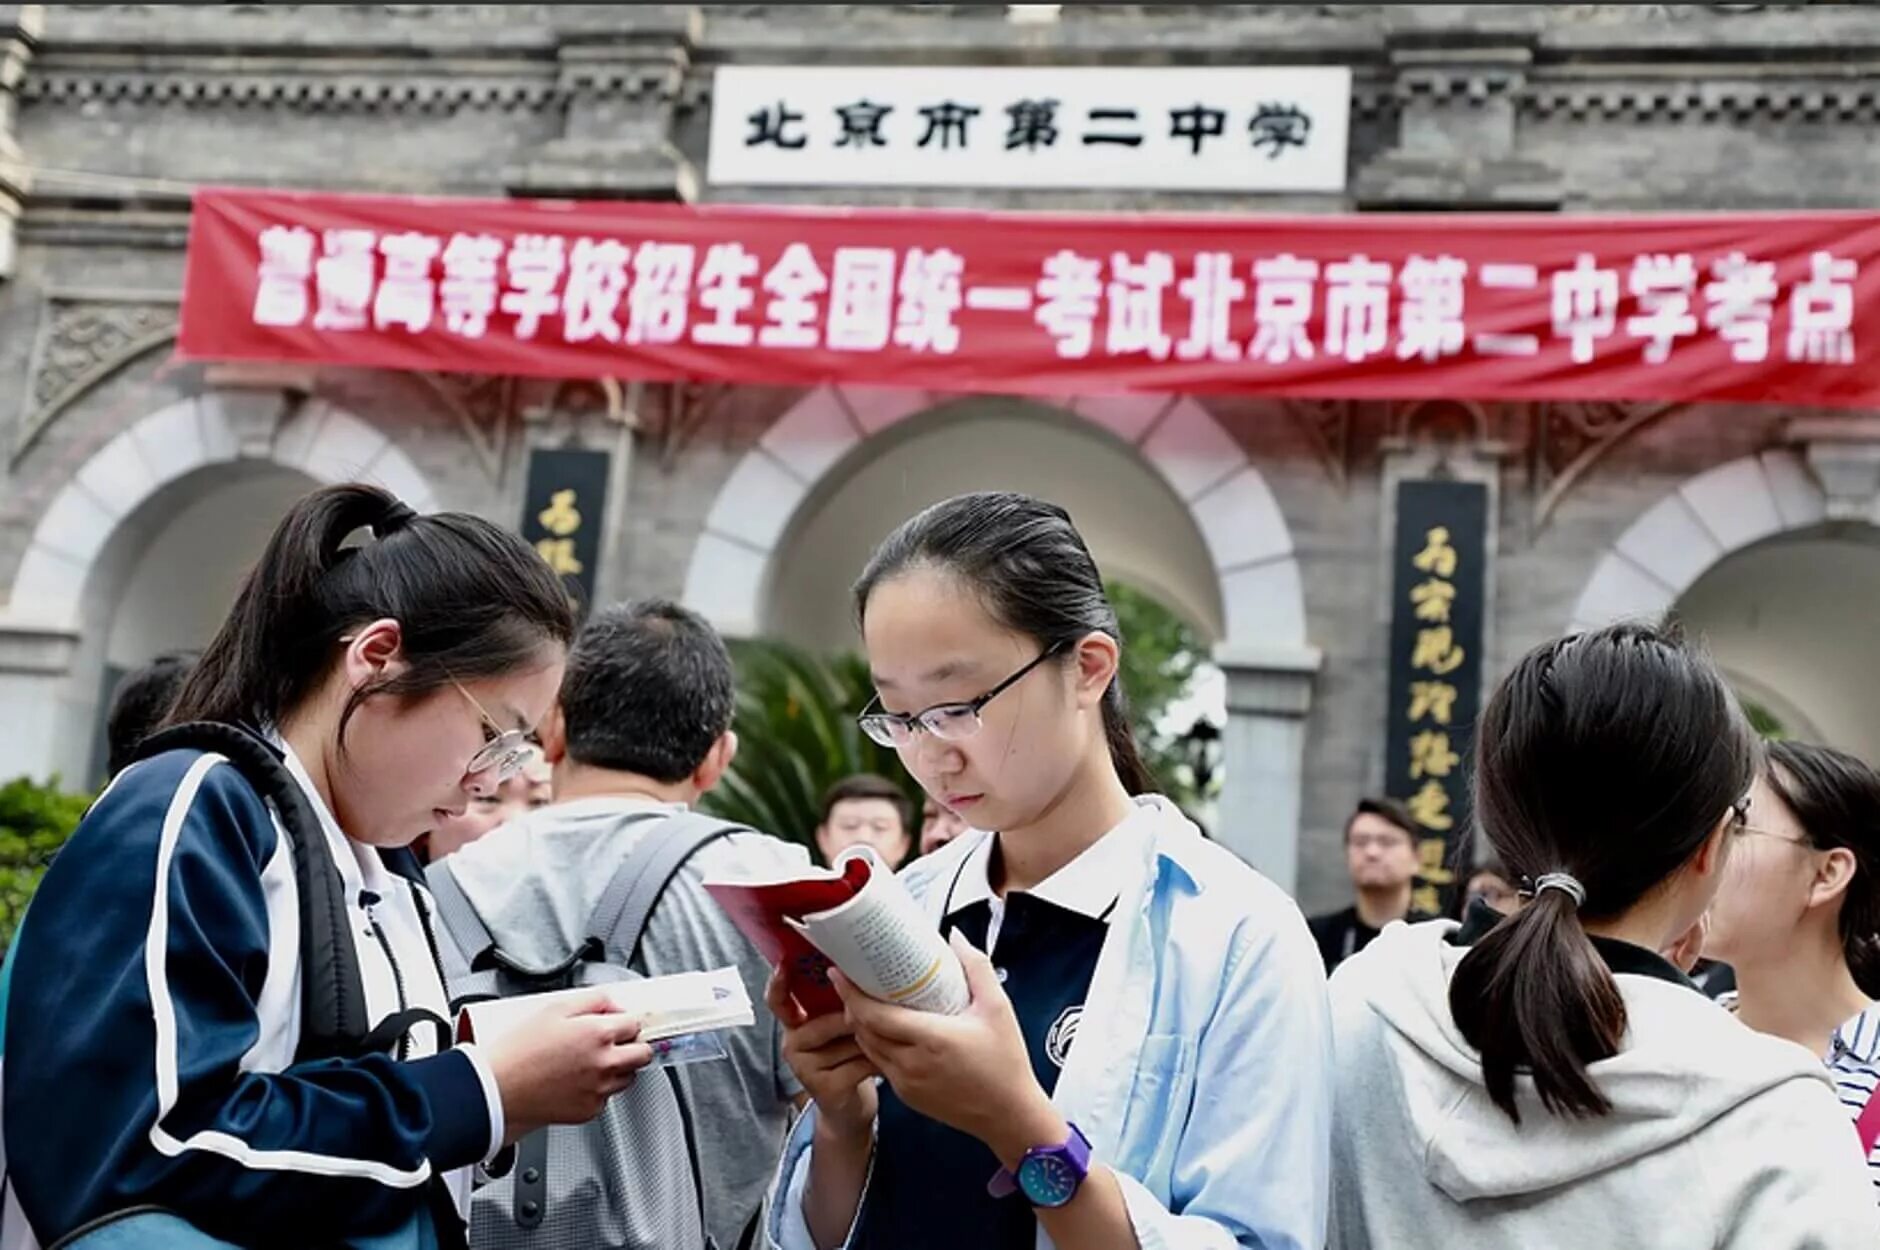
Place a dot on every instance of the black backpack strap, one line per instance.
(470, 939)
(333, 996)
(620, 917)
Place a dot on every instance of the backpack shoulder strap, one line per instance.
(333, 996)
(469, 939)
(620, 917)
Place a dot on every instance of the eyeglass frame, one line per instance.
(912, 721)
(505, 752)
(1739, 810)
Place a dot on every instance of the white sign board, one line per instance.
(1172, 129)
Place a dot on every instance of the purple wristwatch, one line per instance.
(1048, 1176)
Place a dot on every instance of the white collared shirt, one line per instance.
(1087, 885)
(1854, 1063)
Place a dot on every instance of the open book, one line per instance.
(858, 916)
(666, 1007)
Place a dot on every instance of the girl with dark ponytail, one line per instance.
(1556, 1083)
(1798, 918)
(1148, 1063)
(225, 1018)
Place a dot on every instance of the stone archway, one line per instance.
(53, 625)
(1773, 561)
(1263, 638)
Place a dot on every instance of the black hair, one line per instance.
(140, 703)
(869, 786)
(1030, 569)
(648, 691)
(1392, 810)
(1836, 800)
(471, 600)
(1613, 756)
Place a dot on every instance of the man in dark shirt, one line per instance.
(1381, 855)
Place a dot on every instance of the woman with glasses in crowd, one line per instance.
(1144, 1060)
(1559, 1082)
(379, 671)
(1798, 918)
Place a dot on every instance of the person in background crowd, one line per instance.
(140, 703)
(938, 825)
(393, 665)
(643, 732)
(1148, 1064)
(1560, 1084)
(866, 809)
(532, 787)
(1489, 884)
(1798, 917)
(1381, 856)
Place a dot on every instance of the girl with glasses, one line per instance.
(1798, 918)
(1144, 1061)
(385, 670)
(1558, 1083)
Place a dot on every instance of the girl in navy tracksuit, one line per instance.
(394, 664)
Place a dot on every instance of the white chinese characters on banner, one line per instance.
(1248, 129)
(871, 299)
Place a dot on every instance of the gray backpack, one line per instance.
(628, 1179)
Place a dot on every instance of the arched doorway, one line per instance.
(142, 550)
(1167, 499)
(1783, 593)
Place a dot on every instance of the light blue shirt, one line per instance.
(1202, 1070)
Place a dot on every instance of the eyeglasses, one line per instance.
(949, 722)
(1739, 812)
(506, 749)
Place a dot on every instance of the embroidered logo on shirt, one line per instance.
(1057, 1043)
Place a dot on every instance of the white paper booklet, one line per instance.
(885, 943)
(669, 1006)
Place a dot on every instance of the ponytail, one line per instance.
(471, 600)
(1612, 756)
(1130, 768)
(1534, 996)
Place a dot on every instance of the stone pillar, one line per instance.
(1269, 692)
(622, 87)
(20, 25)
(35, 660)
(1456, 137)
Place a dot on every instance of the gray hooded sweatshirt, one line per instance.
(1719, 1137)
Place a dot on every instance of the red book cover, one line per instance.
(759, 909)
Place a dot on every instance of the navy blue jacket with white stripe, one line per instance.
(149, 1052)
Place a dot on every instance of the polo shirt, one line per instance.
(928, 1186)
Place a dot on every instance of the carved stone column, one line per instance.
(621, 88)
(1456, 134)
(20, 25)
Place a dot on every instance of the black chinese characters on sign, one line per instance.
(1438, 583)
(562, 512)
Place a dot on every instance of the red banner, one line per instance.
(1761, 308)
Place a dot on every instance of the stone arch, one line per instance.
(1228, 499)
(326, 443)
(1712, 515)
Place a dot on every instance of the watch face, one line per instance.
(1048, 1180)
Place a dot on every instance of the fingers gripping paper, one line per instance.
(858, 916)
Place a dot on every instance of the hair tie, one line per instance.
(1565, 882)
(397, 515)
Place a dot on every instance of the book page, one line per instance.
(886, 945)
(669, 1006)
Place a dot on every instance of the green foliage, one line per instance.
(1161, 653)
(35, 821)
(797, 736)
(1763, 721)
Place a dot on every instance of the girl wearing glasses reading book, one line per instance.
(1145, 1060)
(378, 671)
